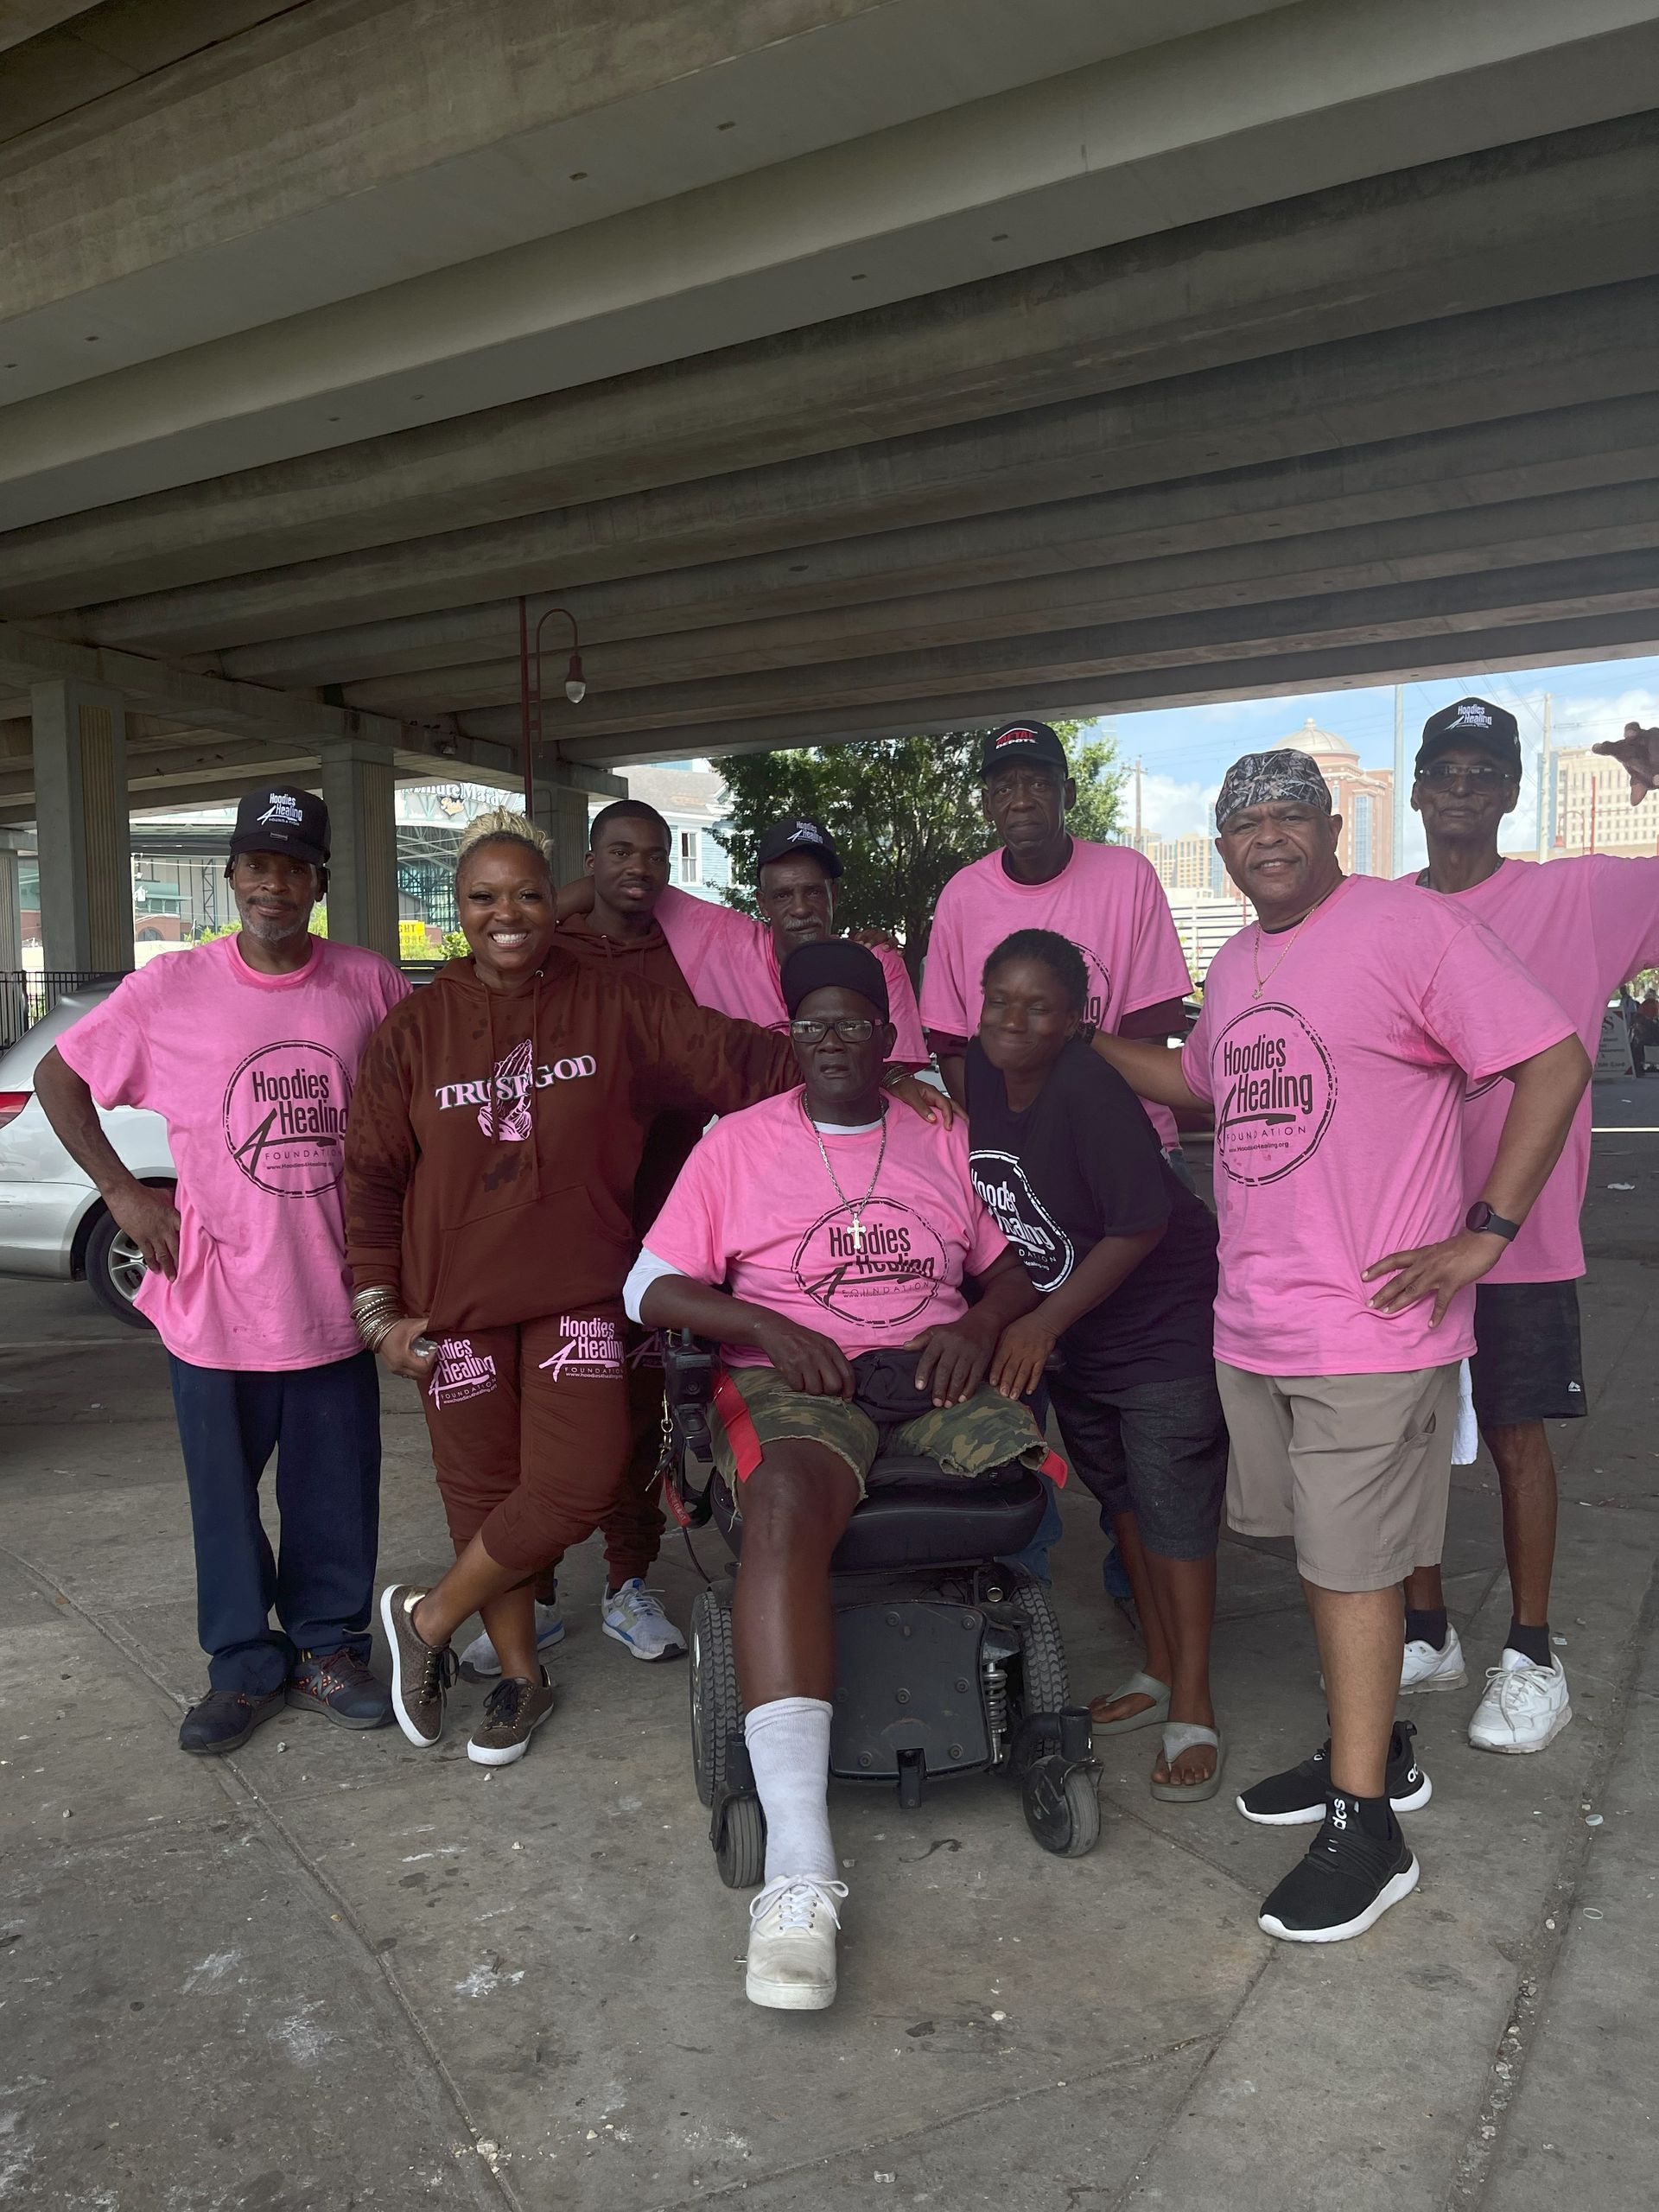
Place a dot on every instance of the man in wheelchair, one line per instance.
(843, 1231)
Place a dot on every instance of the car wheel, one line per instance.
(115, 1267)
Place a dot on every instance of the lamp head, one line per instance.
(575, 684)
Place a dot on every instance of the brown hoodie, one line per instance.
(495, 1137)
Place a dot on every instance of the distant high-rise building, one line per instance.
(1593, 812)
(1363, 797)
(1185, 863)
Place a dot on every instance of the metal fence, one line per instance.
(28, 993)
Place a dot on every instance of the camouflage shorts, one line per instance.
(754, 1407)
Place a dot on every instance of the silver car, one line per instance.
(52, 1220)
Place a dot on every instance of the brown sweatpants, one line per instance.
(633, 1526)
(529, 1433)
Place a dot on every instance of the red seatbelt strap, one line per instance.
(739, 1426)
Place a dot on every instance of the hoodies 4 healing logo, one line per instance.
(1275, 1091)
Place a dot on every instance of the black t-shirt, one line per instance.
(1080, 1163)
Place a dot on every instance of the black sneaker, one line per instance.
(1347, 1882)
(224, 1721)
(338, 1686)
(1298, 1796)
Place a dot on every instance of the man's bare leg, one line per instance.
(1187, 1604)
(1361, 1634)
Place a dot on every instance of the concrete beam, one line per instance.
(1479, 368)
(1420, 659)
(1442, 472)
(994, 667)
(213, 702)
(1516, 222)
(358, 789)
(1622, 518)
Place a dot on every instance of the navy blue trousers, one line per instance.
(323, 1423)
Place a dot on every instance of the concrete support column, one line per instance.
(563, 791)
(11, 916)
(80, 812)
(359, 791)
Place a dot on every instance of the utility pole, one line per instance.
(1137, 803)
(1398, 859)
(1546, 784)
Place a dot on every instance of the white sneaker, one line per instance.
(1425, 1668)
(792, 1944)
(482, 1657)
(634, 1616)
(1525, 1705)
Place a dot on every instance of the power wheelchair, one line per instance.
(948, 1661)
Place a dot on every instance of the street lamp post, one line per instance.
(530, 687)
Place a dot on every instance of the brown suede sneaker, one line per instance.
(513, 1709)
(420, 1674)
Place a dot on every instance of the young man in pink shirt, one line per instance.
(1338, 1037)
(1579, 927)
(1106, 899)
(843, 1229)
(248, 1047)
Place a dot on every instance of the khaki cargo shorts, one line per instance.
(1355, 1468)
(754, 1407)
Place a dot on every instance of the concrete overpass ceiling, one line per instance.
(845, 365)
(858, 172)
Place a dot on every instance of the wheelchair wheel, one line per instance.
(1062, 1809)
(716, 1714)
(1043, 1686)
(741, 1855)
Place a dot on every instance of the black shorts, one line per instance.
(1156, 1449)
(1527, 1363)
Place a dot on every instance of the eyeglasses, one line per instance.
(1477, 778)
(851, 1028)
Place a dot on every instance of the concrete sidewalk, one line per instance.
(335, 1972)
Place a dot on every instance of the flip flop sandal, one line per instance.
(1139, 1684)
(1181, 1736)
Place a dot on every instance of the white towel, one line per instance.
(1465, 1437)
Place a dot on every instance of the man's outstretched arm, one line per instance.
(1151, 1070)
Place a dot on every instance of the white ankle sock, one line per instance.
(789, 1749)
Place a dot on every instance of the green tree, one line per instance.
(905, 815)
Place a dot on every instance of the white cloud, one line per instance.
(1169, 808)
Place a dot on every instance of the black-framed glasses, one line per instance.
(1480, 776)
(851, 1028)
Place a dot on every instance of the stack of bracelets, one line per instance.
(377, 1312)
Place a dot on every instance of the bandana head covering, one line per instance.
(1259, 778)
(833, 963)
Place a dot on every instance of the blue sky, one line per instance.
(1187, 749)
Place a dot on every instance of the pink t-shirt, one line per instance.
(731, 964)
(1338, 1098)
(1580, 927)
(1106, 900)
(252, 1075)
(755, 1209)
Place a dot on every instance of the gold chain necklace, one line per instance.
(1262, 981)
(856, 1209)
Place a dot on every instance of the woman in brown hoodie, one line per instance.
(495, 1134)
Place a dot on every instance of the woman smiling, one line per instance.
(494, 1138)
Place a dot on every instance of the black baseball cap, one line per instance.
(282, 820)
(1475, 722)
(1022, 742)
(833, 963)
(797, 834)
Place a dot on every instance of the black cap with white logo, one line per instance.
(282, 820)
(1019, 742)
(796, 835)
(1475, 722)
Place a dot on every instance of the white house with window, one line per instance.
(691, 798)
